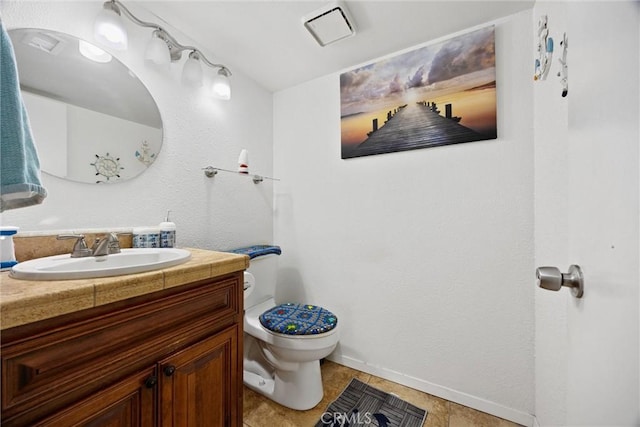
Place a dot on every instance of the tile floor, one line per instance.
(262, 412)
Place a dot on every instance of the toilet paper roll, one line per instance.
(249, 284)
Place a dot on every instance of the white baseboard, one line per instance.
(474, 402)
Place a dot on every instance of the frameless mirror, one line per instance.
(92, 119)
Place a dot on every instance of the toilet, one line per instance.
(283, 341)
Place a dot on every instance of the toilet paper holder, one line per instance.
(550, 278)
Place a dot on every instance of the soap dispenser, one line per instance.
(167, 233)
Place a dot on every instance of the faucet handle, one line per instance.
(114, 243)
(80, 248)
(106, 245)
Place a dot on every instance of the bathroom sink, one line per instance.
(128, 261)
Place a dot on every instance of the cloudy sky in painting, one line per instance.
(452, 65)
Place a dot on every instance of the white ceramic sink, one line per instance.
(128, 261)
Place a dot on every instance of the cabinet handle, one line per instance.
(169, 370)
(151, 381)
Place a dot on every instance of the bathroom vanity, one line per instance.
(158, 348)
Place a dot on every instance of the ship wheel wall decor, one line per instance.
(107, 166)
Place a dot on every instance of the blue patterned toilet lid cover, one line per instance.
(298, 319)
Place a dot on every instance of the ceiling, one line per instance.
(58, 71)
(266, 40)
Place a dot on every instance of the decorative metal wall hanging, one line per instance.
(564, 70)
(542, 63)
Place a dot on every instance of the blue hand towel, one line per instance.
(20, 174)
(258, 250)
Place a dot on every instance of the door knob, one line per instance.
(552, 279)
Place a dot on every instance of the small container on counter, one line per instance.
(167, 233)
(146, 237)
(7, 250)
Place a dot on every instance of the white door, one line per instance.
(587, 213)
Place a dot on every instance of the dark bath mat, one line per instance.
(362, 405)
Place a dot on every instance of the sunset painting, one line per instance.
(443, 93)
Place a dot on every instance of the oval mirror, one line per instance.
(92, 119)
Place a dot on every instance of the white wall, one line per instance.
(48, 119)
(224, 212)
(69, 138)
(426, 256)
(92, 133)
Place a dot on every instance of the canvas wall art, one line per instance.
(439, 94)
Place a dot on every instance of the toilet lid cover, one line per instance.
(298, 319)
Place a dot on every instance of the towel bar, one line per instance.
(211, 171)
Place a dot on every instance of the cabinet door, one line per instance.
(129, 403)
(199, 385)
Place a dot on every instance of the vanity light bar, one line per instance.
(115, 8)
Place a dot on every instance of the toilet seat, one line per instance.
(298, 319)
(252, 326)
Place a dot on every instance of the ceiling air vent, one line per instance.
(43, 41)
(330, 24)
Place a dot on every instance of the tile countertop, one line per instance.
(26, 301)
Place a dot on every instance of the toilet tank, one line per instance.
(263, 265)
(265, 271)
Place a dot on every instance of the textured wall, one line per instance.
(223, 212)
(426, 256)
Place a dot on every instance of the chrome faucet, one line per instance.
(109, 244)
(106, 245)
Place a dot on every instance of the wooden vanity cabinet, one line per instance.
(170, 358)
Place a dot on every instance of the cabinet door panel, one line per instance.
(198, 386)
(129, 403)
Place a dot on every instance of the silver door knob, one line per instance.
(552, 279)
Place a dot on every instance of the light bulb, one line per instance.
(108, 28)
(157, 50)
(192, 71)
(221, 85)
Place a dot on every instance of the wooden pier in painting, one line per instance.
(415, 126)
